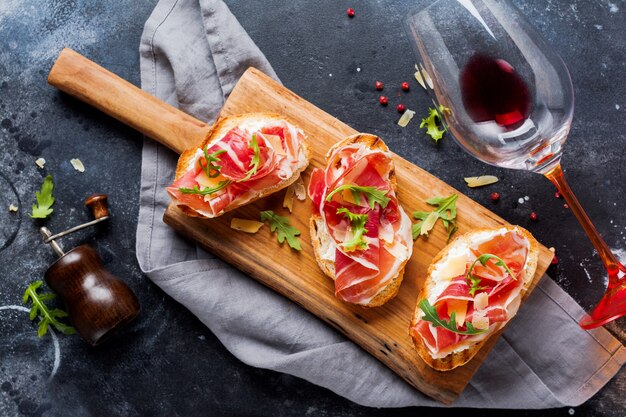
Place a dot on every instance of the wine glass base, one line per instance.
(612, 306)
(591, 321)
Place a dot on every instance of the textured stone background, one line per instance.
(167, 363)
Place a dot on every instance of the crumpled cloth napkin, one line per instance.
(192, 54)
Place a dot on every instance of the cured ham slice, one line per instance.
(451, 292)
(362, 272)
(495, 281)
(244, 158)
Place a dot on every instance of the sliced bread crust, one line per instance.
(318, 237)
(460, 358)
(219, 129)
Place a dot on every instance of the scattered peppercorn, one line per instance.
(379, 85)
(383, 100)
(533, 216)
(494, 197)
(350, 12)
(400, 107)
(555, 260)
(566, 205)
(557, 194)
(405, 86)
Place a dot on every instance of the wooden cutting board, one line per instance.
(382, 331)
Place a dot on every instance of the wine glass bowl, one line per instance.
(507, 98)
(510, 96)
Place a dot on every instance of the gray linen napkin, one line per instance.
(192, 53)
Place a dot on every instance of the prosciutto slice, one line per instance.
(502, 291)
(280, 155)
(362, 273)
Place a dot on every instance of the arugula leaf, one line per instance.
(421, 215)
(357, 222)
(423, 227)
(45, 200)
(451, 231)
(430, 123)
(445, 204)
(446, 211)
(474, 281)
(211, 171)
(284, 230)
(430, 315)
(256, 159)
(206, 190)
(209, 159)
(39, 308)
(373, 194)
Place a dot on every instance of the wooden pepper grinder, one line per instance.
(98, 303)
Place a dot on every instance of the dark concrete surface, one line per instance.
(167, 363)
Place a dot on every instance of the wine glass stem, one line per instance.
(610, 262)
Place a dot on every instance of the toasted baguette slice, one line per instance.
(455, 359)
(321, 239)
(221, 127)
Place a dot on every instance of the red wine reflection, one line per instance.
(493, 91)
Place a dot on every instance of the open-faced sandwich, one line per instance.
(473, 288)
(361, 236)
(242, 159)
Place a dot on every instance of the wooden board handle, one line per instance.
(89, 82)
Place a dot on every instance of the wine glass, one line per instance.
(507, 99)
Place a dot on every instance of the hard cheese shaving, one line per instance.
(243, 225)
(406, 118)
(77, 164)
(480, 181)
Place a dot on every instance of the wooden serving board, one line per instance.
(381, 331)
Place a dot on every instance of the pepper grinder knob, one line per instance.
(98, 205)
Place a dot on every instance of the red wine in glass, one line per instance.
(492, 90)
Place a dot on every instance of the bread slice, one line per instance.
(456, 359)
(218, 131)
(320, 237)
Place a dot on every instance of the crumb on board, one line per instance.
(299, 189)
